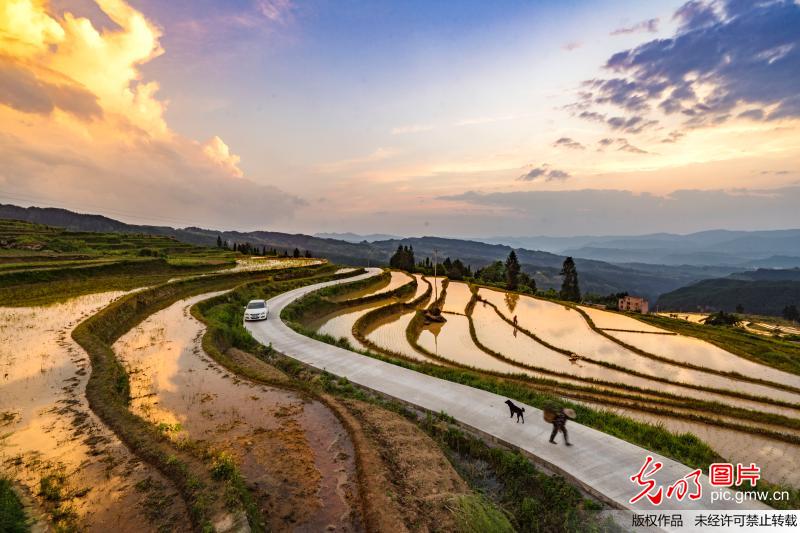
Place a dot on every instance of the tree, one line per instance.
(219, 241)
(512, 271)
(397, 257)
(403, 258)
(457, 271)
(739, 308)
(308, 254)
(570, 290)
(791, 313)
(492, 273)
(296, 253)
(527, 283)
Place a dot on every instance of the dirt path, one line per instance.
(63, 457)
(294, 454)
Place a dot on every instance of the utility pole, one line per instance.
(435, 261)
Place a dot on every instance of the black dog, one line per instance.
(516, 410)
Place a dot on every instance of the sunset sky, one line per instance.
(412, 118)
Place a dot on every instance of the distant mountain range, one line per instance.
(355, 237)
(737, 249)
(741, 249)
(762, 292)
(597, 276)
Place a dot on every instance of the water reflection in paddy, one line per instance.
(390, 334)
(683, 348)
(458, 296)
(49, 428)
(396, 280)
(284, 444)
(606, 319)
(497, 335)
(422, 286)
(436, 286)
(340, 323)
(698, 352)
(452, 341)
(563, 327)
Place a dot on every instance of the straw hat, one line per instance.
(570, 413)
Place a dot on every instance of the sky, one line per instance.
(463, 119)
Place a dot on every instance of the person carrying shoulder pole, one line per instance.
(560, 424)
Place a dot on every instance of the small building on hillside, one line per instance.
(634, 304)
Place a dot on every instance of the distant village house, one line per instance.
(634, 304)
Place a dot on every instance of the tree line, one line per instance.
(507, 274)
(246, 248)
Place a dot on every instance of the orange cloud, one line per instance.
(219, 153)
(74, 107)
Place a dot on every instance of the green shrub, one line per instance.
(474, 514)
(223, 467)
(12, 513)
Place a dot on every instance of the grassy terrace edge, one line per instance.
(108, 389)
(685, 448)
(320, 303)
(43, 287)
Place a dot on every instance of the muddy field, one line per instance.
(293, 452)
(68, 463)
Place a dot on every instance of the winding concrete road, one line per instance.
(601, 464)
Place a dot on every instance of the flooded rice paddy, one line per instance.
(436, 286)
(251, 264)
(561, 326)
(51, 437)
(340, 324)
(390, 334)
(293, 451)
(422, 286)
(682, 348)
(701, 353)
(607, 320)
(397, 280)
(458, 296)
(697, 318)
(452, 341)
(499, 336)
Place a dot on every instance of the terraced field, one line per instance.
(283, 443)
(115, 417)
(600, 358)
(52, 438)
(75, 472)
